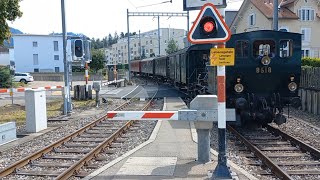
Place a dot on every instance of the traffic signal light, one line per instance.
(209, 27)
(78, 48)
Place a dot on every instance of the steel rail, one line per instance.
(313, 151)
(93, 153)
(266, 160)
(25, 161)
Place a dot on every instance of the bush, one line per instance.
(4, 77)
(308, 61)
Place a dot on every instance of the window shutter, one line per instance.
(312, 15)
(299, 14)
(308, 34)
(254, 19)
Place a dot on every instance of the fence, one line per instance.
(310, 89)
(76, 76)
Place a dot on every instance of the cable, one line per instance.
(132, 4)
(170, 1)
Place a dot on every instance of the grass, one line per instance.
(17, 113)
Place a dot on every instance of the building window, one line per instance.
(242, 49)
(55, 46)
(146, 42)
(305, 52)
(165, 41)
(306, 14)
(252, 19)
(35, 44)
(151, 51)
(150, 41)
(36, 70)
(135, 45)
(147, 51)
(56, 57)
(306, 34)
(285, 48)
(35, 59)
(56, 69)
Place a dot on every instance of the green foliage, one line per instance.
(97, 62)
(4, 77)
(308, 61)
(172, 47)
(9, 11)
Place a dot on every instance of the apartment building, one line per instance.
(300, 16)
(145, 45)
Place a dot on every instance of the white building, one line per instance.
(38, 53)
(5, 54)
(146, 45)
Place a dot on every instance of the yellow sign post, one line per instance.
(222, 56)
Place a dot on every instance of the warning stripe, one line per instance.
(24, 89)
(111, 115)
(157, 115)
(3, 90)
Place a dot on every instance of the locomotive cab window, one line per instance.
(242, 49)
(285, 49)
(263, 48)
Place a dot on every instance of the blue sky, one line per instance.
(98, 18)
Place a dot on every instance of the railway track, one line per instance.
(69, 156)
(285, 156)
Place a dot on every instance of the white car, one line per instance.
(23, 77)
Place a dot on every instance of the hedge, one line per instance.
(4, 77)
(313, 62)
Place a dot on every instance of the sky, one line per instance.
(98, 18)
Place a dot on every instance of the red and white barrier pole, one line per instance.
(222, 171)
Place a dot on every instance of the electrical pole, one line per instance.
(140, 46)
(129, 78)
(66, 102)
(275, 15)
(159, 33)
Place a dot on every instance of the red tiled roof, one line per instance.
(266, 7)
(286, 2)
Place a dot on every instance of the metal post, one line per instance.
(128, 45)
(203, 145)
(222, 171)
(97, 98)
(159, 33)
(188, 21)
(275, 15)
(11, 93)
(66, 102)
(140, 52)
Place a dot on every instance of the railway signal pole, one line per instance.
(209, 28)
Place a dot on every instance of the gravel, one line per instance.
(132, 139)
(13, 154)
(303, 125)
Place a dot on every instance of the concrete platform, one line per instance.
(170, 153)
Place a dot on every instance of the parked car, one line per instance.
(23, 77)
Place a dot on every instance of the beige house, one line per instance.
(300, 16)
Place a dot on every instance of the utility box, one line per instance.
(36, 110)
(8, 132)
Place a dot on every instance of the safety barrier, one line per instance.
(24, 89)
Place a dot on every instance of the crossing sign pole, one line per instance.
(221, 171)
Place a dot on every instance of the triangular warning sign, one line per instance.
(222, 31)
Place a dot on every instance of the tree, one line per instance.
(121, 35)
(110, 39)
(9, 10)
(98, 61)
(4, 77)
(172, 46)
